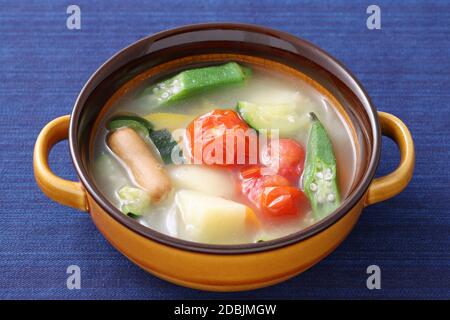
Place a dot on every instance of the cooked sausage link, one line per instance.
(147, 171)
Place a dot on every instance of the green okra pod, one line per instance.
(319, 177)
(198, 80)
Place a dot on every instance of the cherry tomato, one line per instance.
(283, 201)
(253, 181)
(288, 161)
(272, 194)
(221, 137)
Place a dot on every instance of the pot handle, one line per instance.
(392, 184)
(66, 192)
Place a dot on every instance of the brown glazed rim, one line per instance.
(347, 204)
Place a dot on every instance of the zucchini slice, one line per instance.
(134, 201)
(165, 143)
(284, 117)
(141, 125)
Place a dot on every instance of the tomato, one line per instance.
(288, 161)
(253, 181)
(221, 137)
(283, 201)
(271, 193)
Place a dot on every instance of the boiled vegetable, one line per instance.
(141, 125)
(286, 118)
(197, 80)
(272, 194)
(223, 139)
(253, 180)
(319, 178)
(134, 201)
(164, 143)
(148, 173)
(285, 157)
(283, 201)
(169, 121)
(211, 181)
(213, 219)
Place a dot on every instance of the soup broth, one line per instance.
(224, 204)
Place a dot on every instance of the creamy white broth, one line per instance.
(264, 87)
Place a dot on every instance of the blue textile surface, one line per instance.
(405, 67)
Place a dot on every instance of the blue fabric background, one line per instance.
(405, 67)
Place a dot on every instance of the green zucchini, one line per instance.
(165, 143)
(284, 117)
(134, 201)
(141, 125)
(319, 177)
(198, 80)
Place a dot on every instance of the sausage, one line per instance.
(147, 171)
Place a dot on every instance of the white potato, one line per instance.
(211, 219)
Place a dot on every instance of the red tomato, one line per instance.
(288, 161)
(283, 201)
(272, 193)
(253, 181)
(221, 137)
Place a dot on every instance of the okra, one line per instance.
(319, 177)
(198, 80)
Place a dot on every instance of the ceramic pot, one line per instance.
(223, 267)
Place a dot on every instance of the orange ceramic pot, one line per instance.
(222, 267)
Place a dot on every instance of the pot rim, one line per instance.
(290, 239)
